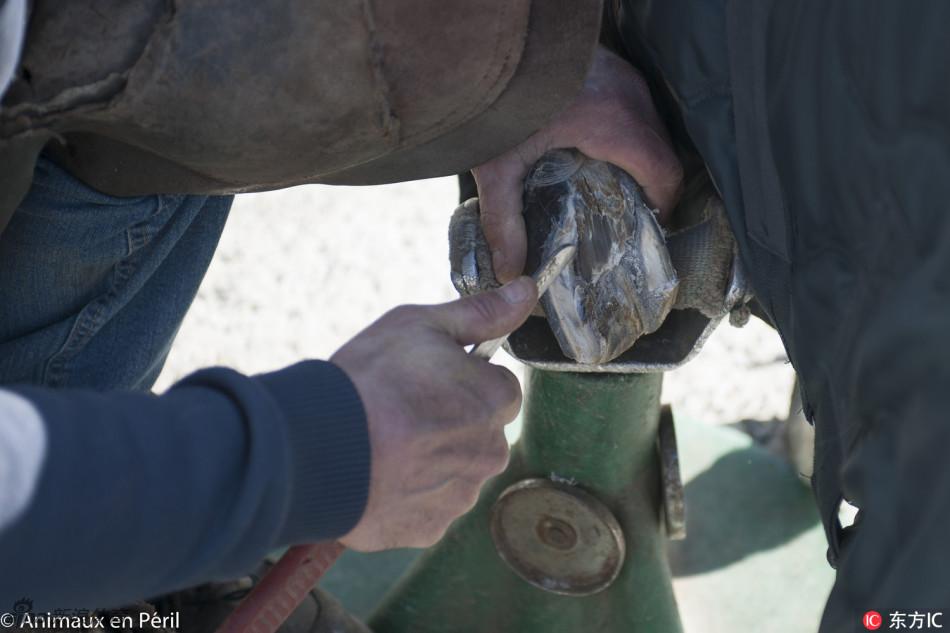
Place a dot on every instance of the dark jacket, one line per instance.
(826, 128)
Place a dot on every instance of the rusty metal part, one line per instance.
(674, 498)
(557, 537)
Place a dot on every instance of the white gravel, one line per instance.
(300, 271)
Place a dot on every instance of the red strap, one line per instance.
(282, 589)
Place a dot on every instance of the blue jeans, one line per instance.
(93, 288)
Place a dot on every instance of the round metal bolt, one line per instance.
(557, 537)
(557, 533)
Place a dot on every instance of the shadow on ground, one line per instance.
(744, 503)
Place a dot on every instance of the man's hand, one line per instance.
(436, 415)
(614, 120)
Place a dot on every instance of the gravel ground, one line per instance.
(300, 271)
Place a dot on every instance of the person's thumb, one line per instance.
(486, 315)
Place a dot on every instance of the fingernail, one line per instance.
(517, 291)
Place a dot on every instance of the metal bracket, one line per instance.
(674, 497)
(678, 340)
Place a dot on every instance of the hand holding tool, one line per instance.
(544, 277)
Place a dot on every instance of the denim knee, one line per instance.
(94, 287)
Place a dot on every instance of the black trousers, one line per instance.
(826, 129)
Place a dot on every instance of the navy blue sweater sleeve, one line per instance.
(142, 494)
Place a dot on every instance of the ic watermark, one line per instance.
(903, 620)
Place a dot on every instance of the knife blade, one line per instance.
(543, 277)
